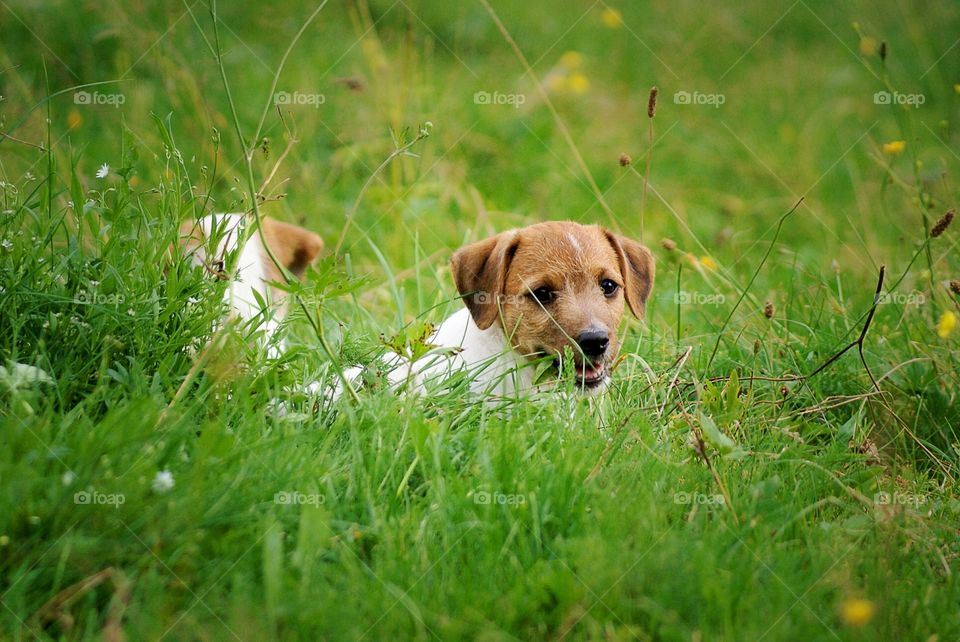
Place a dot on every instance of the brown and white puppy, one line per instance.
(209, 241)
(540, 291)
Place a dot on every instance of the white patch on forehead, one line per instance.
(574, 242)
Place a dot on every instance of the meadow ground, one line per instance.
(149, 489)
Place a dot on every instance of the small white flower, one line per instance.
(130, 311)
(103, 171)
(68, 478)
(162, 482)
(6, 244)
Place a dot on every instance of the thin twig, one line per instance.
(858, 342)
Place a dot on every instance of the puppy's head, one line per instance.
(208, 241)
(557, 285)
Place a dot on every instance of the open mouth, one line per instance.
(586, 375)
(590, 376)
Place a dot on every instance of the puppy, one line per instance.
(209, 241)
(537, 292)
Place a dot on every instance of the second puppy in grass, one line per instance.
(531, 295)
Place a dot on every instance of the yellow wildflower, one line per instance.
(948, 321)
(708, 263)
(578, 83)
(868, 46)
(894, 147)
(611, 18)
(857, 611)
(571, 60)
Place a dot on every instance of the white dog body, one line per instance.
(495, 369)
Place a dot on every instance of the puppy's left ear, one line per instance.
(637, 268)
(294, 247)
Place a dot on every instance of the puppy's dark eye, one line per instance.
(609, 287)
(543, 295)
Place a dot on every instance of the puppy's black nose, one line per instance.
(593, 342)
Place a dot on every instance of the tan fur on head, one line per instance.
(294, 247)
(501, 277)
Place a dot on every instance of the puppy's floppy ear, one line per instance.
(480, 273)
(294, 247)
(637, 268)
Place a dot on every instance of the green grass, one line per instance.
(711, 495)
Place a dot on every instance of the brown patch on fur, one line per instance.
(497, 277)
(295, 247)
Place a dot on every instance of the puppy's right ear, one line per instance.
(295, 247)
(480, 273)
